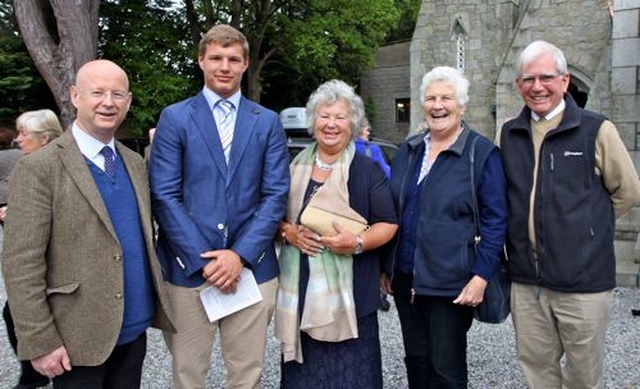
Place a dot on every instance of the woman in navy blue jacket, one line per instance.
(437, 275)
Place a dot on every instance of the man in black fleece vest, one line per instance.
(568, 176)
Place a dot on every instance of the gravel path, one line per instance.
(491, 357)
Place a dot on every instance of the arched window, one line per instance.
(460, 39)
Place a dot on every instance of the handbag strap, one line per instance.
(472, 159)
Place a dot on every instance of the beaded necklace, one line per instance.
(324, 166)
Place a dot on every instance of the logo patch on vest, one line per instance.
(568, 153)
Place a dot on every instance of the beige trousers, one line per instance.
(243, 337)
(550, 325)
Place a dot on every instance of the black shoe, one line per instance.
(385, 305)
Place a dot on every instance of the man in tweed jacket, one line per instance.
(79, 261)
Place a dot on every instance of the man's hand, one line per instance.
(53, 364)
(223, 270)
(472, 293)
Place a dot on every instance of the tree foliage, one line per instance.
(297, 44)
(21, 87)
(294, 44)
(335, 39)
(403, 30)
(149, 41)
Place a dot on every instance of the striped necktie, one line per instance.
(109, 161)
(225, 125)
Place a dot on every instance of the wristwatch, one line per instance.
(359, 245)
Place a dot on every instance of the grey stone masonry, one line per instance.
(601, 40)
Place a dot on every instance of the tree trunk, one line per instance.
(59, 51)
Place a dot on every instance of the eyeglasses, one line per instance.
(545, 79)
(100, 94)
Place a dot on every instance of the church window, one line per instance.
(460, 38)
(403, 111)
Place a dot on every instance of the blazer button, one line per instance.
(220, 226)
(118, 296)
(117, 258)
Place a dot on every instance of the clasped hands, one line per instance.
(223, 269)
(312, 243)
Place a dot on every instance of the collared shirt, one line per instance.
(426, 166)
(90, 147)
(213, 98)
(551, 114)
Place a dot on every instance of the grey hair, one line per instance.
(449, 74)
(535, 50)
(330, 93)
(43, 122)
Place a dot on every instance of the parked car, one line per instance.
(294, 121)
(389, 149)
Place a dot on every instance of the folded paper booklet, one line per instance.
(218, 304)
(321, 221)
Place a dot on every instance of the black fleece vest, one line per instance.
(573, 214)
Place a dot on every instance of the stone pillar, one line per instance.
(625, 113)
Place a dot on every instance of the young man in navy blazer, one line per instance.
(219, 181)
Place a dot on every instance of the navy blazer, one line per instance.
(202, 204)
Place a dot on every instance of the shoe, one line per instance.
(385, 305)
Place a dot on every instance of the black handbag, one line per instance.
(495, 306)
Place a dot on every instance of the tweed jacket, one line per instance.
(62, 261)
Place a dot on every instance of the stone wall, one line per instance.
(600, 39)
(388, 81)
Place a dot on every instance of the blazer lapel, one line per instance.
(245, 126)
(76, 166)
(202, 116)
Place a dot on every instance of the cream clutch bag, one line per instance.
(321, 221)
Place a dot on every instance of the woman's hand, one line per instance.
(344, 242)
(307, 241)
(3, 213)
(473, 293)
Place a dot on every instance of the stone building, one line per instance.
(600, 38)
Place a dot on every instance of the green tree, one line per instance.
(21, 86)
(337, 38)
(403, 30)
(297, 44)
(150, 41)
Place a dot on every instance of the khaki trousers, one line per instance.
(243, 338)
(550, 324)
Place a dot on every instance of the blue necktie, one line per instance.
(109, 161)
(225, 126)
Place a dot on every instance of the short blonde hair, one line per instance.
(40, 123)
(224, 35)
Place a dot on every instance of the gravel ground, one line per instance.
(491, 356)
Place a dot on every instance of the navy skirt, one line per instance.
(353, 363)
